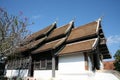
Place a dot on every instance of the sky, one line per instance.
(46, 12)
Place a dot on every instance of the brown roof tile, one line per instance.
(41, 33)
(61, 31)
(78, 46)
(74, 43)
(83, 31)
(49, 46)
(30, 45)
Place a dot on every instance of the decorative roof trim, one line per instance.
(68, 29)
(98, 23)
(53, 25)
(60, 42)
(81, 41)
(95, 43)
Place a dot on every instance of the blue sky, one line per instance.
(45, 12)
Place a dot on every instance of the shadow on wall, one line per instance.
(21, 73)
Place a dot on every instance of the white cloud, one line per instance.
(113, 39)
(36, 17)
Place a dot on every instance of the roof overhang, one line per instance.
(49, 46)
(31, 45)
(82, 46)
(87, 31)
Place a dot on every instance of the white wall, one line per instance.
(11, 73)
(89, 64)
(71, 63)
(72, 67)
(44, 74)
(101, 65)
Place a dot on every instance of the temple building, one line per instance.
(56, 51)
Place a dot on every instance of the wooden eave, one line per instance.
(102, 46)
(49, 46)
(83, 32)
(106, 56)
(31, 45)
(82, 46)
(102, 41)
(104, 50)
(101, 34)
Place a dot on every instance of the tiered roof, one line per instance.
(60, 32)
(31, 45)
(70, 40)
(42, 33)
(83, 32)
(81, 46)
(55, 39)
(49, 46)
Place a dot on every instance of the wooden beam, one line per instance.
(97, 58)
(53, 65)
(86, 61)
(30, 67)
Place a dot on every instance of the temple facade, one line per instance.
(56, 52)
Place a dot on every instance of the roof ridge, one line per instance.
(53, 25)
(82, 41)
(61, 41)
(98, 23)
(99, 19)
(71, 23)
(95, 43)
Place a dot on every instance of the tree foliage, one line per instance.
(13, 30)
(117, 60)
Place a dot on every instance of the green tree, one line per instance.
(117, 60)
